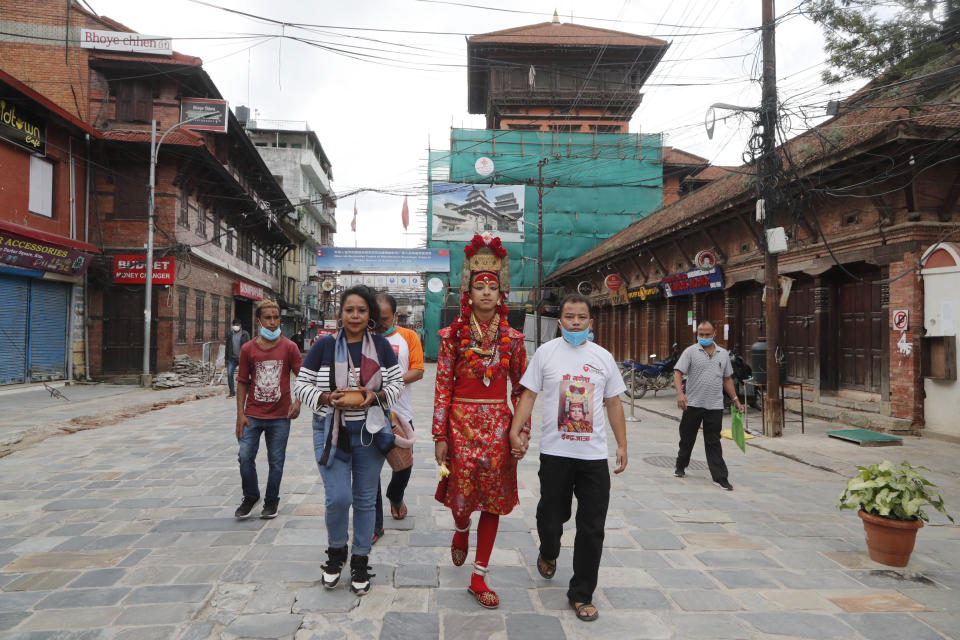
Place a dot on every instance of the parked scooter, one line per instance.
(657, 376)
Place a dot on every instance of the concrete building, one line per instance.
(296, 158)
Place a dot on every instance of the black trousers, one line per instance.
(395, 491)
(689, 425)
(589, 480)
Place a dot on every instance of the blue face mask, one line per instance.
(576, 338)
(269, 335)
(705, 342)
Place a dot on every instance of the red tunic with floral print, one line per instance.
(475, 421)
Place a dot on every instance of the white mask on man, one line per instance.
(236, 328)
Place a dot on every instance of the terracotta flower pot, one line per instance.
(889, 542)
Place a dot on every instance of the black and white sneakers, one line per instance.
(336, 558)
(724, 484)
(243, 511)
(360, 575)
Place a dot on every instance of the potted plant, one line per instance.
(889, 498)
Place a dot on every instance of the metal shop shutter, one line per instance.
(14, 303)
(48, 330)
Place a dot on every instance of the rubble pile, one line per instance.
(186, 372)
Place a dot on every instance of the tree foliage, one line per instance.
(865, 38)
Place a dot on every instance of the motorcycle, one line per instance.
(639, 378)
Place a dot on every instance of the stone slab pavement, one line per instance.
(127, 532)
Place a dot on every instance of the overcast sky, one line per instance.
(376, 97)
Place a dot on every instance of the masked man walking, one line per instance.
(235, 342)
(264, 407)
(581, 385)
(709, 372)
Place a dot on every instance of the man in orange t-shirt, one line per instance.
(410, 358)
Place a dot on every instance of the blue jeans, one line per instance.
(275, 432)
(231, 372)
(350, 482)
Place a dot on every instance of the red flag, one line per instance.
(353, 223)
(405, 214)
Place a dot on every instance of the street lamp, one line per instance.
(148, 297)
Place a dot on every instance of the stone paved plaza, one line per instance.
(127, 532)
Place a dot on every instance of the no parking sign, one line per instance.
(901, 320)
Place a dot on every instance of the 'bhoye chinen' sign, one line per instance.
(22, 128)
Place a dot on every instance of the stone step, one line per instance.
(852, 417)
(869, 406)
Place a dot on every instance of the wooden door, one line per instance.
(800, 336)
(861, 335)
(713, 308)
(751, 324)
(661, 333)
(123, 330)
(683, 334)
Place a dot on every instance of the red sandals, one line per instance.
(485, 596)
(459, 554)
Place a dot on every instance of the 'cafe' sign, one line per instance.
(22, 128)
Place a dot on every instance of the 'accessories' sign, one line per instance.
(125, 41)
(132, 269)
(690, 282)
(28, 253)
(245, 289)
(22, 128)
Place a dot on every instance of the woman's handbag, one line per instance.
(400, 456)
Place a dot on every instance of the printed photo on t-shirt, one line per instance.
(576, 407)
(266, 386)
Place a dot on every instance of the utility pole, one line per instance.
(145, 377)
(539, 294)
(767, 185)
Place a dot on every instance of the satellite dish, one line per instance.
(709, 121)
(585, 288)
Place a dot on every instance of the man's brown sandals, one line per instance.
(546, 568)
(585, 611)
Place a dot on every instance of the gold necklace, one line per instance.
(478, 334)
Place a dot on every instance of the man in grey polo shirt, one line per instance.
(708, 371)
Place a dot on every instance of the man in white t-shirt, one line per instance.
(578, 379)
(409, 353)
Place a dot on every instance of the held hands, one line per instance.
(519, 443)
(242, 422)
(622, 459)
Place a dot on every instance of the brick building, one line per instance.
(43, 217)
(218, 240)
(870, 207)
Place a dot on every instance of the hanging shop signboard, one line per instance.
(204, 114)
(613, 282)
(22, 128)
(643, 293)
(245, 289)
(28, 253)
(132, 269)
(690, 282)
